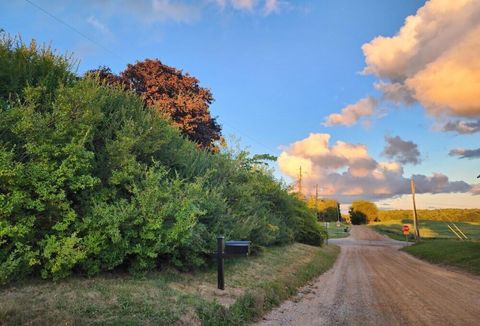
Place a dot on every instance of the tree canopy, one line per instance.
(363, 211)
(327, 209)
(172, 93)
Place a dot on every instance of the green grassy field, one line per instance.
(439, 245)
(461, 254)
(337, 232)
(253, 286)
(428, 229)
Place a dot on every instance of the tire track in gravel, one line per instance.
(372, 283)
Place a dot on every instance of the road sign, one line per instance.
(406, 229)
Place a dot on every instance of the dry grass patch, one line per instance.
(253, 284)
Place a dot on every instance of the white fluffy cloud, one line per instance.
(98, 25)
(148, 11)
(352, 113)
(243, 4)
(347, 171)
(433, 58)
(266, 6)
(177, 11)
(271, 6)
(180, 11)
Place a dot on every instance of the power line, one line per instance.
(46, 12)
(251, 138)
(72, 28)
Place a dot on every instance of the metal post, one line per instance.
(416, 231)
(338, 213)
(220, 260)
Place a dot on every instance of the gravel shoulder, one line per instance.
(373, 283)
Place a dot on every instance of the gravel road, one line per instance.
(372, 283)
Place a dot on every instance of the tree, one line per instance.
(357, 217)
(20, 78)
(327, 209)
(173, 94)
(106, 75)
(363, 211)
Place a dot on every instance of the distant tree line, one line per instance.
(363, 212)
(444, 214)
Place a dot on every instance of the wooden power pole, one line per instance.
(316, 200)
(415, 219)
(300, 183)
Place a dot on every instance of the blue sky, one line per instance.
(277, 70)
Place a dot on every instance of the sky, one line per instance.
(361, 94)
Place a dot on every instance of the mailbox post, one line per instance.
(220, 262)
(226, 250)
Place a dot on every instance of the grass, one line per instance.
(461, 254)
(337, 232)
(253, 286)
(439, 245)
(428, 229)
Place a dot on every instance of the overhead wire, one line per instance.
(85, 36)
(61, 21)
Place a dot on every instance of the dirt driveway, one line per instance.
(372, 283)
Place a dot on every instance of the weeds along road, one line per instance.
(372, 283)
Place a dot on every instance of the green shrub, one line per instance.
(91, 180)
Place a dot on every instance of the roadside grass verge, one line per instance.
(253, 286)
(428, 229)
(338, 232)
(461, 254)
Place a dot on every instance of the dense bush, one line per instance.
(447, 214)
(91, 180)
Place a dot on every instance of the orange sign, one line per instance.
(406, 229)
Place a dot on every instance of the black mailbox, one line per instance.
(227, 249)
(237, 248)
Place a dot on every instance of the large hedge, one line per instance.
(91, 180)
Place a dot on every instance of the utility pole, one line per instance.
(316, 200)
(300, 183)
(338, 212)
(415, 219)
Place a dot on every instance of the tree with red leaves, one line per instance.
(173, 94)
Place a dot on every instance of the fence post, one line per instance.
(220, 259)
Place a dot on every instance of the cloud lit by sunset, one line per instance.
(347, 171)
